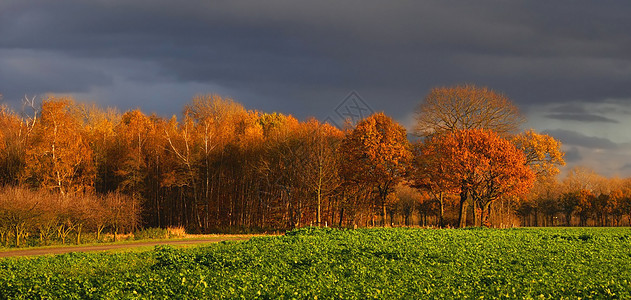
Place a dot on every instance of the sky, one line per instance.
(565, 64)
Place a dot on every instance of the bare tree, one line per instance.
(466, 107)
(18, 208)
(123, 212)
(32, 105)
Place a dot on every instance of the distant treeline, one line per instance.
(225, 168)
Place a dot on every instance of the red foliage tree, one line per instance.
(480, 164)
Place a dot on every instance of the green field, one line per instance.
(350, 264)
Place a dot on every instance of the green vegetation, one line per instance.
(387, 263)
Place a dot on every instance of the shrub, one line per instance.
(176, 232)
(151, 233)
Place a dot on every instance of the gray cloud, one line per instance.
(572, 155)
(292, 54)
(581, 117)
(578, 139)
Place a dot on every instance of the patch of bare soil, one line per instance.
(62, 250)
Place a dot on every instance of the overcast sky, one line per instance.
(566, 64)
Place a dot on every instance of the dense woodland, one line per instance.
(222, 167)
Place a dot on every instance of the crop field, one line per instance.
(309, 263)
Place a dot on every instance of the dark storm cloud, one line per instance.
(304, 57)
(568, 137)
(36, 72)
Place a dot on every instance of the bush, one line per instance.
(160, 233)
(176, 232)
(151, 234)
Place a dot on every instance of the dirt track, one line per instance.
(62, 250)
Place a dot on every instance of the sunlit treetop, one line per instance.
(466, 107)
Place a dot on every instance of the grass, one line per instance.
(392, 263)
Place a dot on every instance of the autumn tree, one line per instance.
(64, 207)
(624, 203)
(377, 152)
(104, 138)
(482, 164)
(464, 107)
(584, 207)
(581, 178)
(59, 157)
(319, 170)
(202, 143)
(427, 173)
(97, 215)
(568, 204)
(132, 134)
(122, 212)
(284, 160)
(407, 201)
(615, 207)
(19, 208)
(47, 220)
(543, 152)
(13, 138)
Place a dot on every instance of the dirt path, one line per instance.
(62, 250)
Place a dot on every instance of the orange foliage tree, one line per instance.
(133, 134)
(13, 137)
(377, 152)
(427, 174)
(59, 157)
(481, 164)
(318, 162)
(101, 132)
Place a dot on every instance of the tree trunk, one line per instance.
(17, 236)
(79, 234)
(341, 216)
(477, 214)
(98, 233)
(485, 211)
(383, 212)
(462, 219)
(441, 216)
(319, 211)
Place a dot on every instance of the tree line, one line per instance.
(222, 167)
(582, 198)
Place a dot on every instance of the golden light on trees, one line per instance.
(59, 157)
(377, 152)
(480, 164)
(466, 107)
(222, 167)
(543, 152)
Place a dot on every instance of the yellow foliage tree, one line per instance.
(543, 152)
(59, 157)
